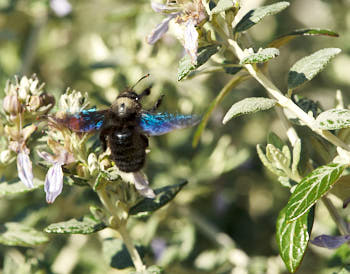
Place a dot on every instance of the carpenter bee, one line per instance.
(126, 126)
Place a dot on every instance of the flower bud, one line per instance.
(5, 157)
(11, 105)
(34, 103)
(92, 163)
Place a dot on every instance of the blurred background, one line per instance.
(223, 221)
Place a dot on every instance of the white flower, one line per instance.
(61, 7)
(186, 13)
(142, 185)
(53, 182)
(54, 176)
(24, 168)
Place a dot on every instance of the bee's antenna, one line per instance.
(143, 77)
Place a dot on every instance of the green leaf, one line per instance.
(277, 158)
(267, 163)
(223, 5)
(116, 254)
(292, 238)
(186, 66)
(262, 56)
(274, 139)
(85, 225)
(247, 106)
(163, 196)
(312, 188)
(256, 15)
(16, 234)
(16, 187)
(280, 41)
(308, 67)
(333, 119)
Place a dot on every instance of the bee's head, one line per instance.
(127, 104)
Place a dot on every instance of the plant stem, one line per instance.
(286, 102)
(237, 79)
(121, 228)
(341, 224)
(135, 256)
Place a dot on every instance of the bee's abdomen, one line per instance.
(128, 150)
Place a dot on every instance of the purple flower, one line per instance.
(188, 14)
(61, 7)
(330, 242)
(24, 168)
(54, 176)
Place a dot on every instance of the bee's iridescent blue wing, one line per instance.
(88, 120)
(161, 123)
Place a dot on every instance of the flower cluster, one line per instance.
(186, 14)
(25, 100)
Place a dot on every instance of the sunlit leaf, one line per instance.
(277, 43)
(256, 15)
(85, 225)
(308, 67)
(262, 56)
(223, 5)
(292, 238)
(312, 188)
(186, 66)
(163, 196)
(16, 234)
(333, 119)
(16, 187)
(248, 106)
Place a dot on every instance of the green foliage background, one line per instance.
(225, 217)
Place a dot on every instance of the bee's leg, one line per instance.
(157, 104)
(145, 92)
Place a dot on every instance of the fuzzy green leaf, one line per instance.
(163, 196)
(262, 56)
(274, 139)
(85, 225)
(267, 163)
(186, 66)
(333, 119)
(116, 254)
(308, 67)
(312, 188)
(280, 41)
(223, 5)
(16, 187)
(16, 234)
(247, 106)
(292, 238)
(256, 15)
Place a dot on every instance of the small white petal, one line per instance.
(191, 40)
(161, 8)
(53, 182)
(141, 184)
(159, 31)
(61, 7)
(24, 169)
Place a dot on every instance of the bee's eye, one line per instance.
(122, 107)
